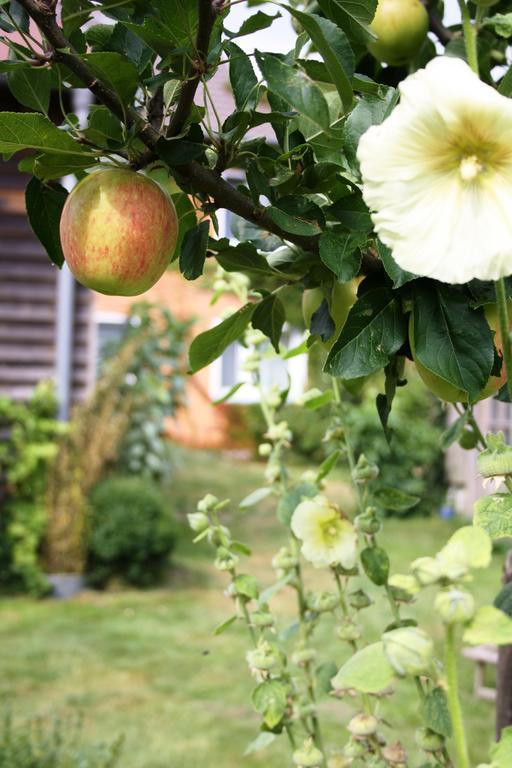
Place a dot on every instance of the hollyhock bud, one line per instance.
(395, 755)
(207, 503)
(496, 459)
(363, 725)
(455, 606)
(225, 560)
(322, 602)
(198, 521)
(264, 657)
(409, 650)
(359, 600)
(284, 560)
(353, 749)
(348, 630)
(364, 471)
(308, 756)
(428, 740)
(264, 449)
(303, 656)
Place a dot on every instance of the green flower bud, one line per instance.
(497, 458)
(359, 600)
(272, 472)
(308, 756)
(409, 650)
(322, 602)
(428, 740)
(262, 618)
(368, 523)
(303, 656)
(207, 503)
(395, 755)
(284, 560)
(363, 725)
(364, 471)
(225, 560)
(348, 630)
(353, 749)
(375, 762)
(264, 657)
(427, 570)
(455, 606)
(336, 432)
(198, 521)
(265, 449)
(280, 431)
(219, 536)
(338, 761)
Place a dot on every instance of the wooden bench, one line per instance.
(482, 655)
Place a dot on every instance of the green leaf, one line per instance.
(178, 151)
(31, 86)
(246, 585)
(103, 128)
(501, 753)
(255, 497)
(454, 431)
(116, 71)
(369, 110)
(353, 213)
(314, 403)
(228, 395)
(242, 78)
(398, 275)
(208, 346)
(470, 545)
(501, 23)
(270, 699)
(451, 339)
(225, 625)
(29, 130)
(393, 499)
(295, 88)
(375, 329)
(256, 22)
(340, 252)
(324, 676)
(269, 317)
(243, 258)
(292, 224)
(264, 739)
(327, 465)
(368, 671)
(435, 712)
(494, 514)
(193, 251)
(353, 16)
(44, 207)
(334, 48)
(376, 565)
(291, 500)
(489, 625)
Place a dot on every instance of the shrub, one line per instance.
(30, 433)
(39, 744)
(130, 532)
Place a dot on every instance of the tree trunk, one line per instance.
(504, 671)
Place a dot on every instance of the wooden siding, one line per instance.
(28, 302)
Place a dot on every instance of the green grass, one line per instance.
(146, 664)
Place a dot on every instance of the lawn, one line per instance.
(147, 665)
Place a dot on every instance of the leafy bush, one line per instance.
(54, 745)
(155, 384)
(413, 461)
(30, 433)
(130, 532)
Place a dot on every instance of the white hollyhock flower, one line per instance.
(437, 175)
(327, 537)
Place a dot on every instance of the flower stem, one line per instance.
(469, 37)
(459, 734)
(501, 299)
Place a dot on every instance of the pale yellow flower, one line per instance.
(327, 537)
(437, 175)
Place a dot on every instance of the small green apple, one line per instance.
(448, 392)
(118, 231)
(340, 298)
(401, 27)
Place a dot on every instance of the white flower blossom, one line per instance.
(437, 175)
(327, 537)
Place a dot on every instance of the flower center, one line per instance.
(469, 167)
(331, 531)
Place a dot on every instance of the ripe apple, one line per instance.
(340, 298)
(118, 231)
(448, 392)
(401, 27)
